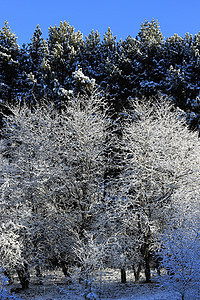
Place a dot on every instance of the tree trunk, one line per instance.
(65, 269)
(24, 276)
(123, 275)
(38, 275)
(147, 269)
(137, 272)
(146, 256)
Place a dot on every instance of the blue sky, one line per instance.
(124, 17)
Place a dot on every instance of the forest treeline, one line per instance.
(67, 64)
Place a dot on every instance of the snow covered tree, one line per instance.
(87, 155)
(54, 164)
(90, 56)
(161, 157)
(9, 52)
(176, 86)
(34, 48)
(110, 71)
(14, 239)
(150, 47)
(128, 65)
(64, 45)
(33, 71)
(150, 34)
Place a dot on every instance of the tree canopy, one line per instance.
(147, 65)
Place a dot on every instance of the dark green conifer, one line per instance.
(9, 65)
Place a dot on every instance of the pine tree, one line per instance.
(64, 44)
(64, 47)
(150, 47)
(110, 71)
(90, 56)
(175, 87)
(128, 64)
(9, 53)
(150, 35)
(34, 70)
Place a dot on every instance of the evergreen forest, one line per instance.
(67, 63)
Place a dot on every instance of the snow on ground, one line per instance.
(54, 288)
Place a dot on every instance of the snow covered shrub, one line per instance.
(4, 291)
(180, 241)
(90, 252)
(180, 258)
